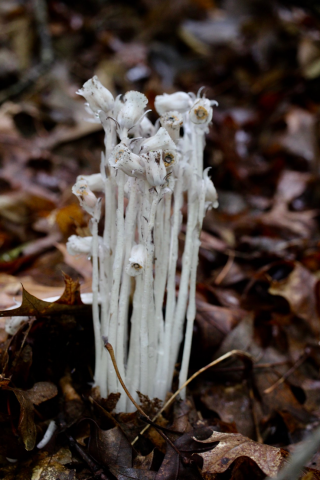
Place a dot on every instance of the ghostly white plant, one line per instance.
(135, 261)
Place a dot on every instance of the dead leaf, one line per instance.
(69, 303)
(299, 290)
(26, 426)
(110, 447)
(232, 446)
(41, 392)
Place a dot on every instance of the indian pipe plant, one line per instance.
(146, 173)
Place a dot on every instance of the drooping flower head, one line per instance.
(211, 196)
(123, 159)
(131, 111)
(97, 96)
(160, 141)
(179, 101)
(88, 201)
(172, 121)
(155, 168)
(136, 261)
(79, 245)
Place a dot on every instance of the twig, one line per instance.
(97, 471)
(46, 54)
(288, 373)
(224, 272)
(240, 353)
(113, 359)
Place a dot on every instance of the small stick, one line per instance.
(224, 272)
(113, 359)
(97, 471)
(240, 353)
(287, 374)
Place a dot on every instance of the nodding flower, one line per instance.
(87, 198)
(79, 245)
(136, 261)
(131, 111)
(201, 112)
(211, 196)
(179, 101)
(172, 121)
(123, 159)
(155, 168)
(97, 96)
(95, 181)
(160, 141)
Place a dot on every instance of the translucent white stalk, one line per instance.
(147, 330)
(180, 310)
(95, 305)
(133, 365)
(130, 224)
(117, 271)
(162, 245)
(191, 311)
(165, 378)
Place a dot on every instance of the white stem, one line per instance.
(165, 378)
(117, 270)
(162, 245)
(180, 310)
(133, 368)
(130, 223)
(95, 305)
(104, 316)
(147, 329)
(191, 312)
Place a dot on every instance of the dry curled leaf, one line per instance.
(232, 446)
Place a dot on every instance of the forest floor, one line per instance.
(259, 271)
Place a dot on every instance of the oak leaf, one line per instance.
(234, 445)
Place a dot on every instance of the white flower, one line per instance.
(160, 141)
(145, 129)
(95, 181)
(79, 245)
(155, 168)
(179, 101)
(132, 109)
(130, 163)
(211, 196)
(87, 198)
(201, 112)
(172, 122)
(136, 261)
(97, 96)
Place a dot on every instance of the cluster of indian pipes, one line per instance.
(146, 173)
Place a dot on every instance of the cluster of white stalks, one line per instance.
(146, 173)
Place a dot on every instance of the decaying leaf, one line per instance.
(26, 426)
(299, 290)
(69, 303)
(41, 392)
(232, 446)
